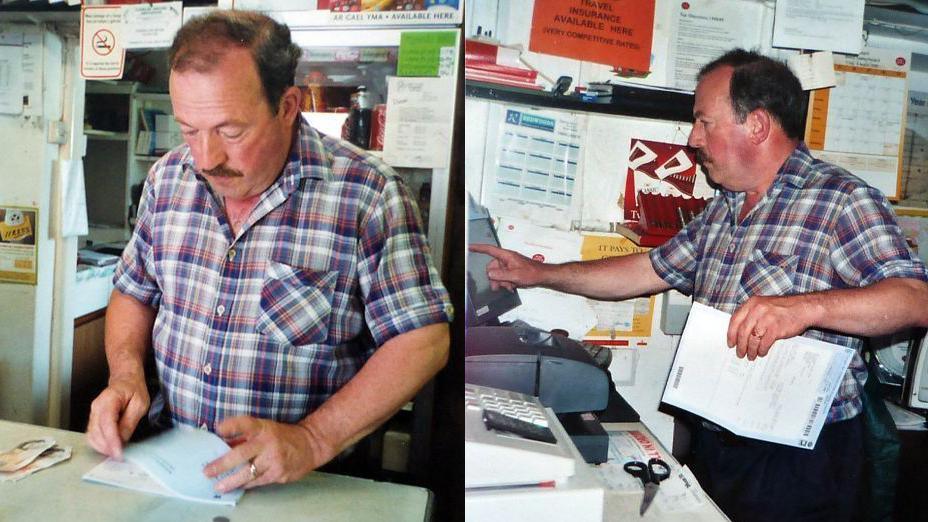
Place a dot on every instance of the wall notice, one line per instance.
(102, 53)
(18, 249)
(610, 32)
(618, 323)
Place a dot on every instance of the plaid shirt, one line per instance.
(330, 264)
(817, 228)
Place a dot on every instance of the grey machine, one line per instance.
(521, 358)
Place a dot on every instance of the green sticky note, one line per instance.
(427, 53)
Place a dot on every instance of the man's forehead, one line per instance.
(712, 88)
(232, 61)
(233, 71)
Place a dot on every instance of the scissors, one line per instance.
(651, 475)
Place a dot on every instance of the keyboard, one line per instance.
(511, 439)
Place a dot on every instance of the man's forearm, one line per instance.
(882, 308)
(127, 336)
(613, 278)
(389, 379)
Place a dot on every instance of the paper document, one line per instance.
(169, 464)
(830, 25)
(815, 71)
(626, 446)
(11, 78)
(418, 128)
(702, 30)
(573, 314)
(150, 25)
(679, 493)
(783, 397)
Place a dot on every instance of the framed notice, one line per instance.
(616, 33)
(618, 323)
(18, 248)
(102, 53)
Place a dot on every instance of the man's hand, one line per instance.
(510, 269)
(115, 413)
(762, 320)
(280, 453)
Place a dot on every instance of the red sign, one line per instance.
(103, 42)
(611, 32)
(666, 163)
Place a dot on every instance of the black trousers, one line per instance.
(757, 481)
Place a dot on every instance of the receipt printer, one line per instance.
(554, 368)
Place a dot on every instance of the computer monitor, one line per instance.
(484, 305)
(917, 379)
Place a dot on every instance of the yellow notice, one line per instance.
(620, 323)
(18, 248)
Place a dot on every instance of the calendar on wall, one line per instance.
(533, 164)
(859, 124)
(915, 153)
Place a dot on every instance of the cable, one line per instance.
(916, 5)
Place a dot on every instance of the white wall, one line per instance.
(27, 312)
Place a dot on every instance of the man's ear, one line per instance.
(291, 103)
(759, 125)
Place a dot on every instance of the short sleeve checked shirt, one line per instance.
(817, 228)
(330, 264)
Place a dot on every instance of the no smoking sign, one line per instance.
(102, 54)
(103, 42)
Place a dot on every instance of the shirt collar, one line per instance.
(793, 172)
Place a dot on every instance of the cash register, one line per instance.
(521, 358)
(520, 461)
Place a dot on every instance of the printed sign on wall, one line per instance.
(610, 32)
(102, 53)
(18, 249)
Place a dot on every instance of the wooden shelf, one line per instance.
(111, 87)
(95, 134)
(626, 100)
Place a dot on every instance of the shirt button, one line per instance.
(731, 247)
(220, 310)
(207, 368)
(231, 254)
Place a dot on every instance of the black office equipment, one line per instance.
(553, 368)
(588, 435)
(484, 305)
(519, 358)
(916, 386)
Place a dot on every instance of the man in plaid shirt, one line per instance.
(280, 276)
(791, 246)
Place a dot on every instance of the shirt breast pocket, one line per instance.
(769, 273)
(296, 304)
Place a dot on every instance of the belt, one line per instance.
(725, 437)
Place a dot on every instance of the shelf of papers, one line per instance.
(627, 100)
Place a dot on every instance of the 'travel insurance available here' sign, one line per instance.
(611, 32)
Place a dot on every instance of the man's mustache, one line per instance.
(700, 157)
(223, 172)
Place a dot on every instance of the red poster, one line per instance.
(664, 164)
(611, 32)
